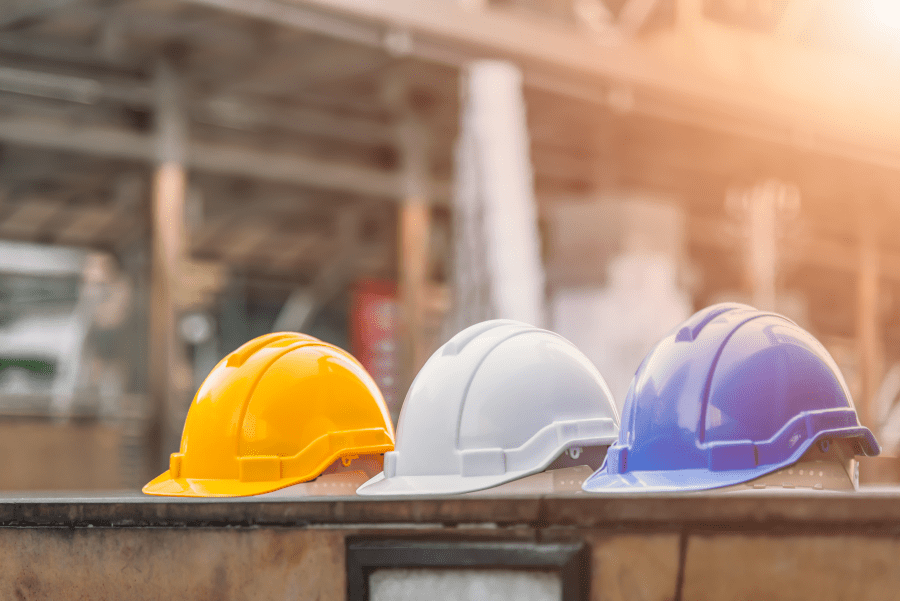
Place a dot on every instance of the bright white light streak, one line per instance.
(886, 12)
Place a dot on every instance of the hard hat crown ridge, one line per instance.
(731, 394)
(498, 401)
(277, 411)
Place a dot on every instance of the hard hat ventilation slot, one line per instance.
(684, 335)
(690, 331)
(238, 357)
(455, 345)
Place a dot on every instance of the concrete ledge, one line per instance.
(862, 513)
(660, 548)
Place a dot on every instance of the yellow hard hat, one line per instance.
(277, 411)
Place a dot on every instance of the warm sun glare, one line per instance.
(886, 12)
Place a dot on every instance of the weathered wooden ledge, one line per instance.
(637, 548)
(860, 512)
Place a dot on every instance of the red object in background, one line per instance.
(374, 335)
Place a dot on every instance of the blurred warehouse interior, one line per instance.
(180, 176)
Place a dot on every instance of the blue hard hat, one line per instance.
(730, 395)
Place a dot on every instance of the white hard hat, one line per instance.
(501, 400)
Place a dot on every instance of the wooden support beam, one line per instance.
(168, 198)
(59, 87)
(868, 321)
(212, 158)
(58, 51)
(304, 171)
(414, 226)
(497, 33)
(87, 224)
(230, 111)
(247, 114)
(105, 142)
(306, 19)
(26, 220)
(244, 240)
(574, 64)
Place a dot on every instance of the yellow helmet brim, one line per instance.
(166, 486)
(373, 442)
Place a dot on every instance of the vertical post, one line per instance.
(414, 222)
(498, 195)
(415, 228)
(763, 252)
(168, 200)
(765, 210)
(867, 314)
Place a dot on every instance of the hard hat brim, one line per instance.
(450, 484)
(166, 486)
(687, 480)
(668, 481)
(454, 484)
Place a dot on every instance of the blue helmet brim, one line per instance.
(663, 481)
(668, 480)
